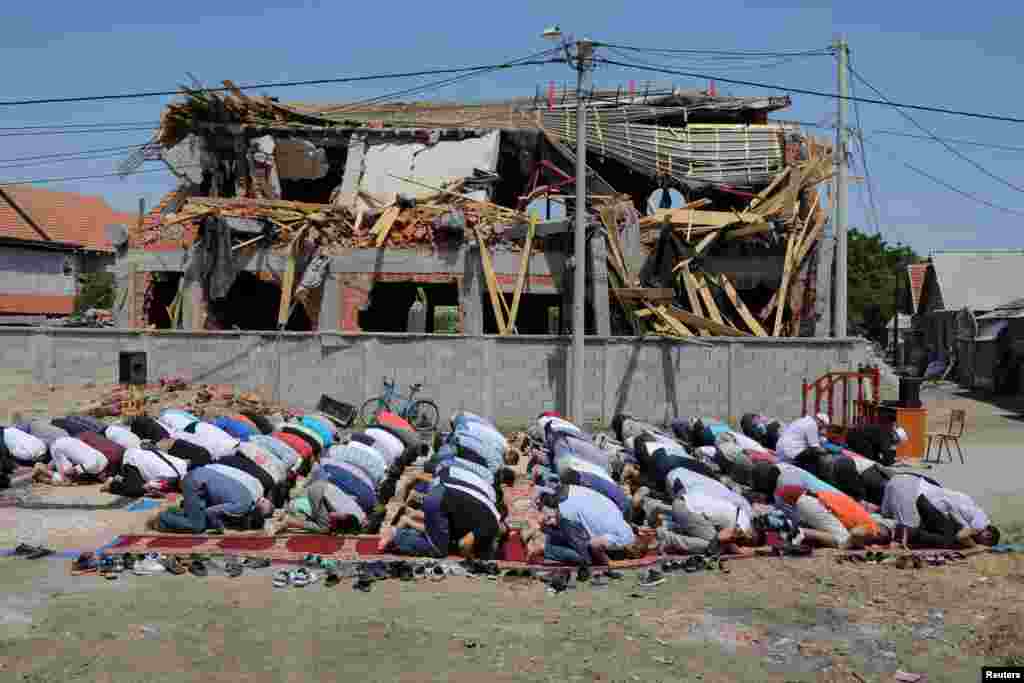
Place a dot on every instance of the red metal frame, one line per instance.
(566, 179)
(863, 411)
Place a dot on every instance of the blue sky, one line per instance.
(931, 53)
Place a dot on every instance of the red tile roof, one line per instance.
(917, 272)
(64, 216)
(36, 303)
(150, 237)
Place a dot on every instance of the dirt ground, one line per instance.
(768, 619)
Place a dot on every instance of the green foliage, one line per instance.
(96, 290)
(874, 268)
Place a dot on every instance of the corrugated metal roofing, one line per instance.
(978, 280)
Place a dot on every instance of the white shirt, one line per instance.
(68, 450)
(861, 463)
(721, 513)
(798, 436)
(746, 443)
(122, 436)
(266, 460)
(214, 439)
(558, 424)
(175, 420)
(961, 506)
(388, 443)
(23, 446)
(151, 467)
(462, 474)
(244, 478)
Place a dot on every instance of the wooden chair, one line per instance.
(957, 420)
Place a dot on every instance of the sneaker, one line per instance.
(651, 578)
(151, 565)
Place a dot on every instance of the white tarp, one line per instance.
(431, 165)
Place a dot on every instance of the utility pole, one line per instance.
(584, 55)
(842, 135)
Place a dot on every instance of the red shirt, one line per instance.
(111, 450)
(300, 445)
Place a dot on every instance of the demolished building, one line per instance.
(457, 218)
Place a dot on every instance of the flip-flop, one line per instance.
(300, 578)
(282, 579)
(173, 565)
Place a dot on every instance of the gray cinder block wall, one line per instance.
(505, 378)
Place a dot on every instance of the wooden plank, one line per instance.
(780, 301)
(673, 324)
(524, 267)
(697, 217)
(383, 225)
(698, 250)
(699, 322)
(690, 284)
(648, 293)
(492, 283)
(776, 181)
(748, 317)
(288, 283)
(709, 300)
(542, 229)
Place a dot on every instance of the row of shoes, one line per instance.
(152, 564)
(32, 552)
(562, 580)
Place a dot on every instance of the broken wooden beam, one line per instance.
(524, 268)
(697, 321)
(644, 293)
(737, 302)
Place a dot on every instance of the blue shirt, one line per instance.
(565, 444)
(607, 488)
(350, 484)
(223, 495)
(279, 449)
(236, 428)
(484, 441)
(325, 432)
(598, 515)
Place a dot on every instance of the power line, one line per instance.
(282, 84)
(78, 131)
(80, 125)
(954, 141)
(864, 160)
(72, 154)
(730, 54)
(42, 181)
(52, 162)
(948, 186)
(816, 93)
(933, 136)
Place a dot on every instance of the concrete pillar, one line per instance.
(354, 292)
(471, 296)
(193, 312)
(598, 283)
(330, 304)
(823, 288)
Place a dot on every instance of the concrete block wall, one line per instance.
(505, 378)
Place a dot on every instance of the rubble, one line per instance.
(751, 187)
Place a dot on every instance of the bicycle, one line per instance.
(422, 414)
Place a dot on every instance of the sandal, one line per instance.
(301, 577)
(363, 583)
(106, 568)
(332, 579)
(694, 564)
(233, 569)
(256, 562)
(173, 565)
(39, 553)
(84, 564)
(25, 549)
(198, 568)
(282, 579)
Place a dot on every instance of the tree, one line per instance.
(95, 291)
(876, 269)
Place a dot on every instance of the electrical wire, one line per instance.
(728, 54)
(80, 125)
(933, 136)
(77, 131)
(875, 214)
(948, 186)
(42, 181)
(72, 154)
(281, 84)
(816, 93)
(954, 141)
(427, 87)
(54, 162)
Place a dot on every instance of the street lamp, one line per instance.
(583, 63)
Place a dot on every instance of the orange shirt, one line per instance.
(848, 511)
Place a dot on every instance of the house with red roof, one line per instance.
(48, 239)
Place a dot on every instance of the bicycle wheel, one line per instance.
(423, 416)
(368, 413)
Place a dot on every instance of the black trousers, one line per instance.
(131, 484)
(937, 530)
